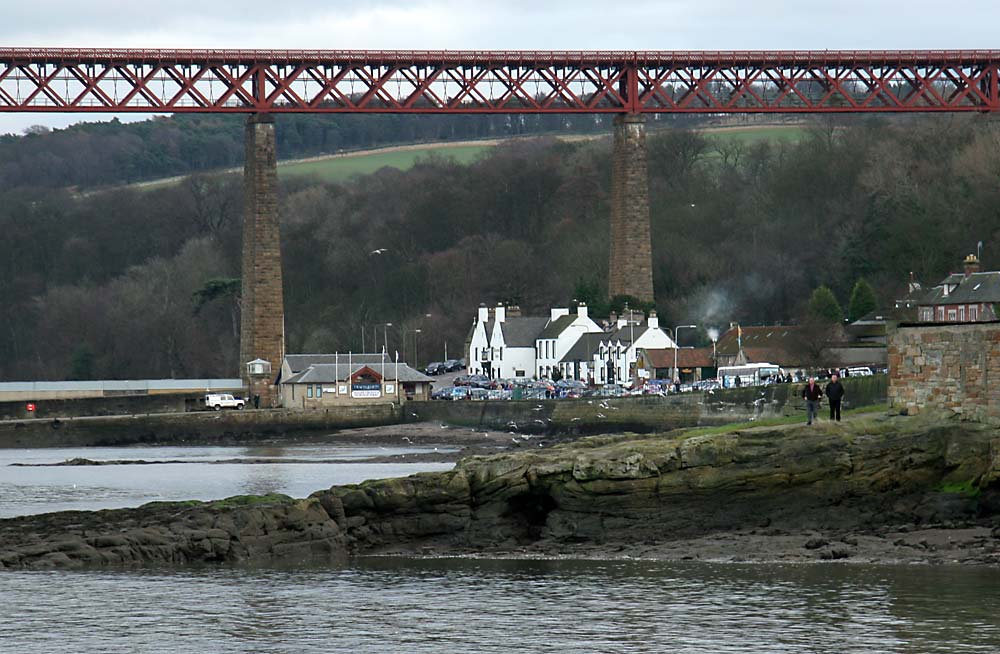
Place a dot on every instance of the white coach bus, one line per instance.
(750, 374)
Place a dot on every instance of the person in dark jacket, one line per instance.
(834, 393)
(812, 394)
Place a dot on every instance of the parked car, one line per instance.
(479, 393)
(442, 393)
(451, 365)
(482, 381)
(460, 393)
(219, 401)
(434, 368)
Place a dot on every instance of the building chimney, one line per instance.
(581, 310)
(501, 313)
(514, 311)
(484, 313)
(653, 321)
(971, 265)
(556, 313)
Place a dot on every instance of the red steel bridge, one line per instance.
(627, 82)
(630, 84)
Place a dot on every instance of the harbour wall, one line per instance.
(579, 416)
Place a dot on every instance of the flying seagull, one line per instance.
(379, 251)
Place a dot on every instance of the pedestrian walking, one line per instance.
(834, 394)
(812, 394)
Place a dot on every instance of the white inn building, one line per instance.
(505, 345)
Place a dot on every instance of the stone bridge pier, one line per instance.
(631, 266)
(262, 334)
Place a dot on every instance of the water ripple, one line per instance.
(400, 605)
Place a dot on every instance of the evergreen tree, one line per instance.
(823, 306)
(862, 300)
(82, 366)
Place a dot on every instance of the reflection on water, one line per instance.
(28, 490)
(399, 605)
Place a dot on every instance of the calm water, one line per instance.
(449, 605)
(460, 606)
(38, 490)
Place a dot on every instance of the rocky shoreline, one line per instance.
(872, 489)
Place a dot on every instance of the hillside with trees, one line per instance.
(89, 155)
(135, 284)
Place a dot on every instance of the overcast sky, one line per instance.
(510, 25)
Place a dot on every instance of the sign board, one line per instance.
(390, 389)
(30, 407)
(366, 390)
(342, 389)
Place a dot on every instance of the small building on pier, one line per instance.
(320, 385)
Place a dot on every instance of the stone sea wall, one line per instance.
(857, 475)
(581, 416)
(197, 427)
(954, 367)
(100, 406)
(641, 414)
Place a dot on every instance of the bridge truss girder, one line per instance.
(255, 81)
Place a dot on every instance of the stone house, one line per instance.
(693, 363)
(582, 360)
(337, 384)
(562, 332)
(505, 345)
(619, 350)
(969, 296)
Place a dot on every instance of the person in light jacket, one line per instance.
(812, 394)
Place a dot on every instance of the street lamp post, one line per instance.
(416, 360)
(385, 336)
(677, 346)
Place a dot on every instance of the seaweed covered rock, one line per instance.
(862, 475)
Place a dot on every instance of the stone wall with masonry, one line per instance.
(953, 367)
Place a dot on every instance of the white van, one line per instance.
(862, 371)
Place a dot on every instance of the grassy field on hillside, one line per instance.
(340, 168)
(776, 133)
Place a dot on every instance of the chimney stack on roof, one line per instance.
(653, 321)
(971, 264)
(500, 313)
(556, 313)
(581, 310)
(484, 313)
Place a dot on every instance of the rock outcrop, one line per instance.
(860, 475)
